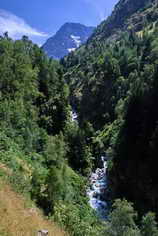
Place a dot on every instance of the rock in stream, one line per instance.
(97, 190)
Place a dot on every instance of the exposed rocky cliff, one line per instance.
(69, 37)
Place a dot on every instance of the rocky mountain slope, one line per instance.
(119, 20)
(127, 16)
(69, 37)
(114, 88)
(47, 155)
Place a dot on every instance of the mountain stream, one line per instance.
(97, 190)
(98, 185)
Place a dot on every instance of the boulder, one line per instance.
(42, 232)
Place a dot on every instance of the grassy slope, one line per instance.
(19, 217)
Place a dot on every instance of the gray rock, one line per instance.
(42, 232)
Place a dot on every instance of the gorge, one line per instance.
(49, 150)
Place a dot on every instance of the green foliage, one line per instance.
(37, 134)
(121, 220)
(20, 183)
(55, 154)
(77, 220)
(149, 225)
(55, 151)
(114, 89)
(80, 156)
(113, 86)
(3, 233)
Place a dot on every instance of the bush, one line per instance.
(78, 220)
(121, 220)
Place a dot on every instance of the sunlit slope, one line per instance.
(19, 217)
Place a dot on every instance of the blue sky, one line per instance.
(40, 19)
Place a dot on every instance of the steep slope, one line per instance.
(49, 156)
(114, 89)
(69, 37)
(119, 17)
(19, 217)
(42, 149)
(127, 17)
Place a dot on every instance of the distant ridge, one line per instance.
(69, 37)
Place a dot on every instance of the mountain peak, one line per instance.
(69, 37)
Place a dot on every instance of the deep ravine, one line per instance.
(97, 184)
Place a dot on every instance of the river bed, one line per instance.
(97, 190)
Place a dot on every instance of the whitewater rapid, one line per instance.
(74, 115)
(98, 184)
(97, 190)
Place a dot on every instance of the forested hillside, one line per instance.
(39, 143)
(113, 86)
(111, 82)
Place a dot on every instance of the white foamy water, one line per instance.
(96, 191)
(74, 116)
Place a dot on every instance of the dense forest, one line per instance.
(46, 151)
(113, 87)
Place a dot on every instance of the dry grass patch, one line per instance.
(18, 219)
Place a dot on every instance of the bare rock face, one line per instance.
(69, 37)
